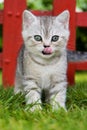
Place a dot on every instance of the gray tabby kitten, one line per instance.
(42, 61)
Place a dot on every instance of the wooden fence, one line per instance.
(11, 19)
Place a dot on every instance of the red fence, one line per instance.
(11, 18)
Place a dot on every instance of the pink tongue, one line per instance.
(47, 50)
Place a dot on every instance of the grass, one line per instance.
(0, 77)
(81, 76)
(14, 115)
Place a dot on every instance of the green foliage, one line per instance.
(1, 6)
(39, 4)
(81, 76)
(82, 4)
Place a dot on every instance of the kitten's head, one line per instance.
(45, 37)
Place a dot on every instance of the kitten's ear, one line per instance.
(28, 19)
(64, 18)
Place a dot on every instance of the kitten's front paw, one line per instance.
(35, 107)
(56, 106)
(33, 100)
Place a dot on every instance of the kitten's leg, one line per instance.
(58, 96)
(32, 94)
(18, 88)
(33, 98)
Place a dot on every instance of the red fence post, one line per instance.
(58, 7)
(12, 39)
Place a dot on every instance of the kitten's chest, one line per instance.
(45, 76)
(40, 71)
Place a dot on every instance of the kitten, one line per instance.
(42, 61)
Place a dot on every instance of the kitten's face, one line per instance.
(45, 37)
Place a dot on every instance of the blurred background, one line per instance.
(81, 39)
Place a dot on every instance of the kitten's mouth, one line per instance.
(44, 53)
(47, 51)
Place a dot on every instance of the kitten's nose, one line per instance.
(46, 46)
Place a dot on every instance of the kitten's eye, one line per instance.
(55, 38)
(38, 38)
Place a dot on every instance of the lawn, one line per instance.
(15, 115)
